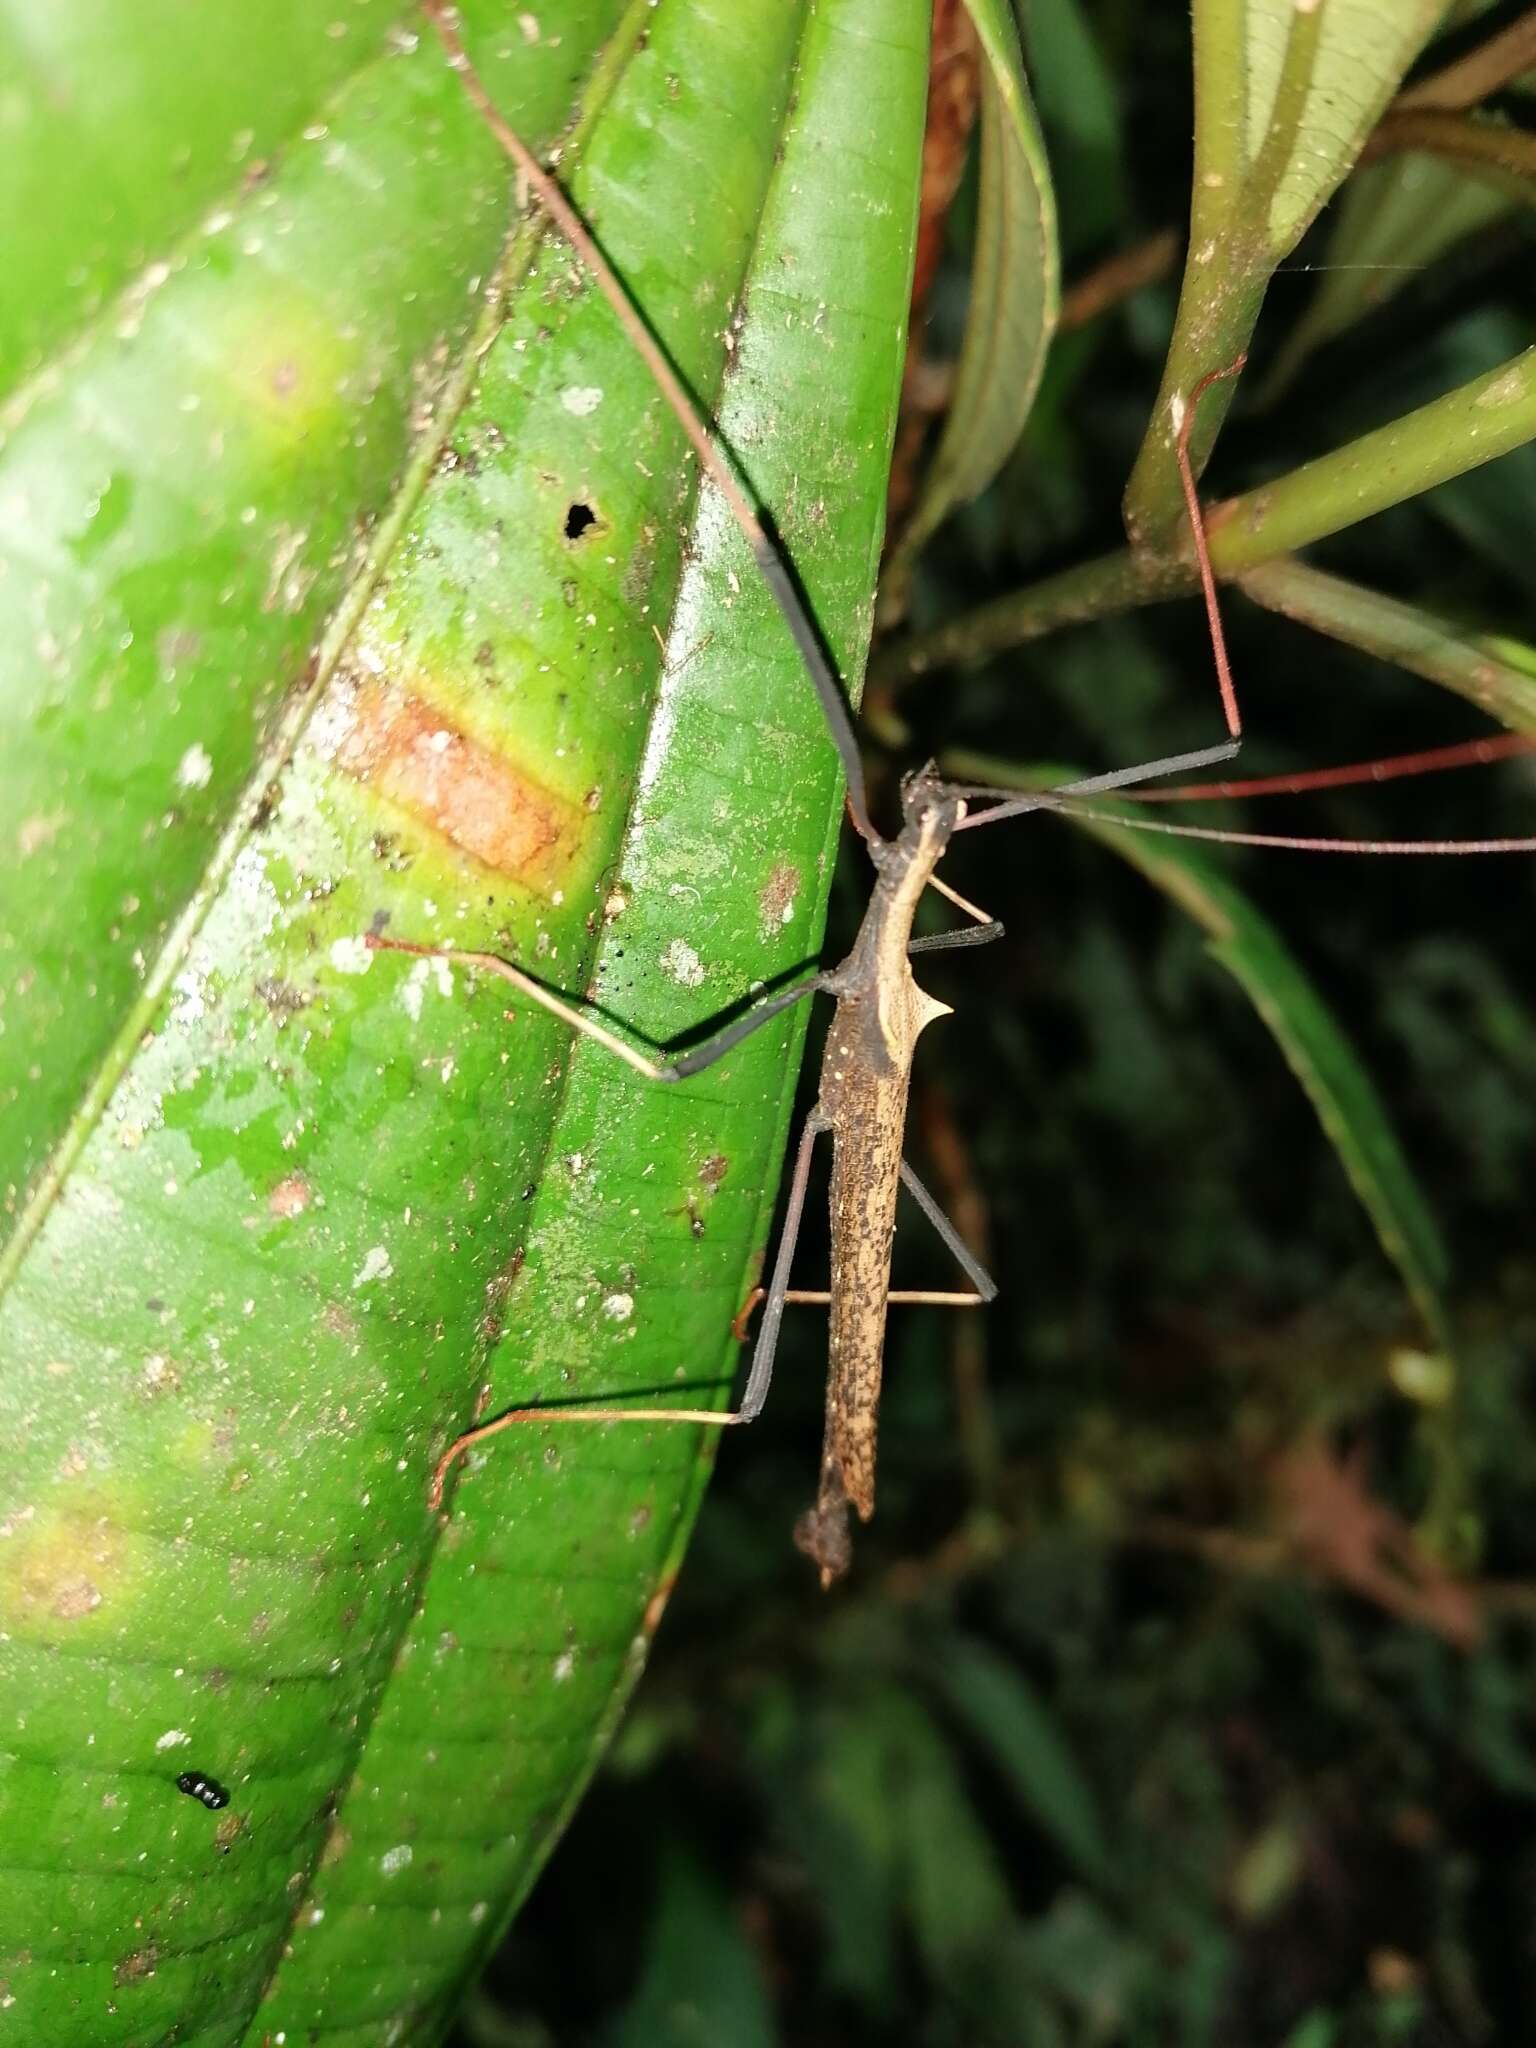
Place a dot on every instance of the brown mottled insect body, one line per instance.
(866, 1073)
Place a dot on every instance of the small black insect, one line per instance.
(209, 1790)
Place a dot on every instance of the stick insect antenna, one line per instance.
(1089, 785)
(1013, 806)
(1286, 843)
(1430, 761)
(773, 567)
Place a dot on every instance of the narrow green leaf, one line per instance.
(702, 1985)
(1496, 673)
(1078, 102)
(850, 1842)
(1025, 1740)
(312, 1199)
(1317, 80)
(955, 1890)
(1318, 2029)
(1015, 286)
(1352, 1114)
(1285, 97)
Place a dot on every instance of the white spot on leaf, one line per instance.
(682, 963)
(351, 956)
(195, 768)
(376, 1266)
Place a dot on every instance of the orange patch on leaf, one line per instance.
(656, 1606)
(453, 783)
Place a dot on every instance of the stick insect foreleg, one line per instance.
(681, 1069)
(967, 935)
(1014, 806)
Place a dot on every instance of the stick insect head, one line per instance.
(929, 803)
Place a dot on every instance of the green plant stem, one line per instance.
(1225, 274)
(1466, 428)
(1078, 596)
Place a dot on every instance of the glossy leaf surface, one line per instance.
(292, 1204)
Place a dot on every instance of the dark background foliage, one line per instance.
(1107, 1740)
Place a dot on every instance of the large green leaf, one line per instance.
(283, 1206)
(186, 479)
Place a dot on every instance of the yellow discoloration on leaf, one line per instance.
(61, 1567)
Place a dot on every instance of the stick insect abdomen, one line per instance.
(866, 1073)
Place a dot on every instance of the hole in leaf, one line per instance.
(579, 521)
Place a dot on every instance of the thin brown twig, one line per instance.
(954, 94)
(1118, 277)
(1486, 69)
(1477, 144)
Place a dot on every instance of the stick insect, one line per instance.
(880, 1009)
(862, 1098)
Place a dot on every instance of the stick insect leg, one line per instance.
(767, 1344)
(582, 1021)
(818, 1297)
(721, 1043)
(773, 568)
(966, 935)
(1015, 806)
(924, 1297)
(986, 928)
(715, 1418)
(964, 1257)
